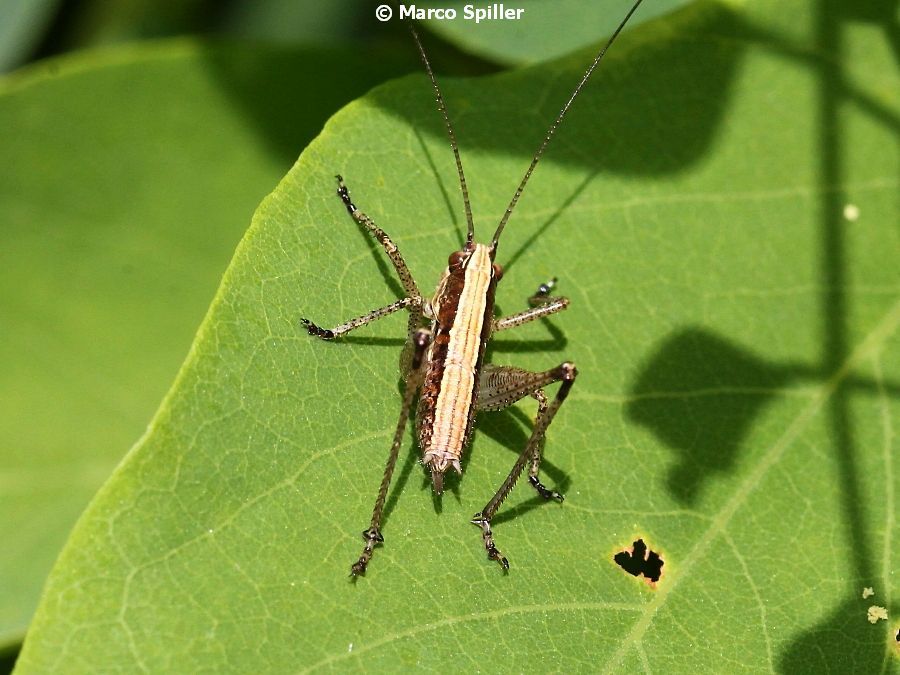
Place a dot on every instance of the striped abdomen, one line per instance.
(463, 307)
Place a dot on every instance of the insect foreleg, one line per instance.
(542, 304)
(413, 300)
(499, 387)
(421, 340)
(406, 278)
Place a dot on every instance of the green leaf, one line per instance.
(735, 324)
(541, 30)
(128, 179)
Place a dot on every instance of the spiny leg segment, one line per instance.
(541, 305)
(337, 331)
(406, 278)
(538, 455)
(499, 387)
(411, 362)
(421, 340)
(413, 300)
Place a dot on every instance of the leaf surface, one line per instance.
(721, 209)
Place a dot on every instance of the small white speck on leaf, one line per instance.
(876, 614)
(350, 648)
(851, 212)
(868, 592)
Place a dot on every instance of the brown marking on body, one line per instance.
(444, 305)
(463, 305)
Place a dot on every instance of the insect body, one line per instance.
(443, 359)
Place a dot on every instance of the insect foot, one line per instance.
(543, 491)
(544, 289)
(317, 331)
(486, 534)
(372, 537)
(344, 194)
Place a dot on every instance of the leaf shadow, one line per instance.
(691, 119)
(272, 85)
(844, 641)
(700, 395)
(373, 342)
(410, 461)
(8, 657)
(839, 633)
(452, 212)
(556, 342)
(732, 384)
(541, 230)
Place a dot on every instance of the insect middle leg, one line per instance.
(499, 387)
(346, 327)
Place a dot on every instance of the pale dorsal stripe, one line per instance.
(458, 382)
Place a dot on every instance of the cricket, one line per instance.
(443, 360)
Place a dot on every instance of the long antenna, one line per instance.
(552, 130)
(470, 236)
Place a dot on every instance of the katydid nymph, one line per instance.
(443, 360)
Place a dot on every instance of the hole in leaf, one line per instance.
(638, 560)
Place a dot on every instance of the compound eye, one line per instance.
(498, 272)
(456, 260)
